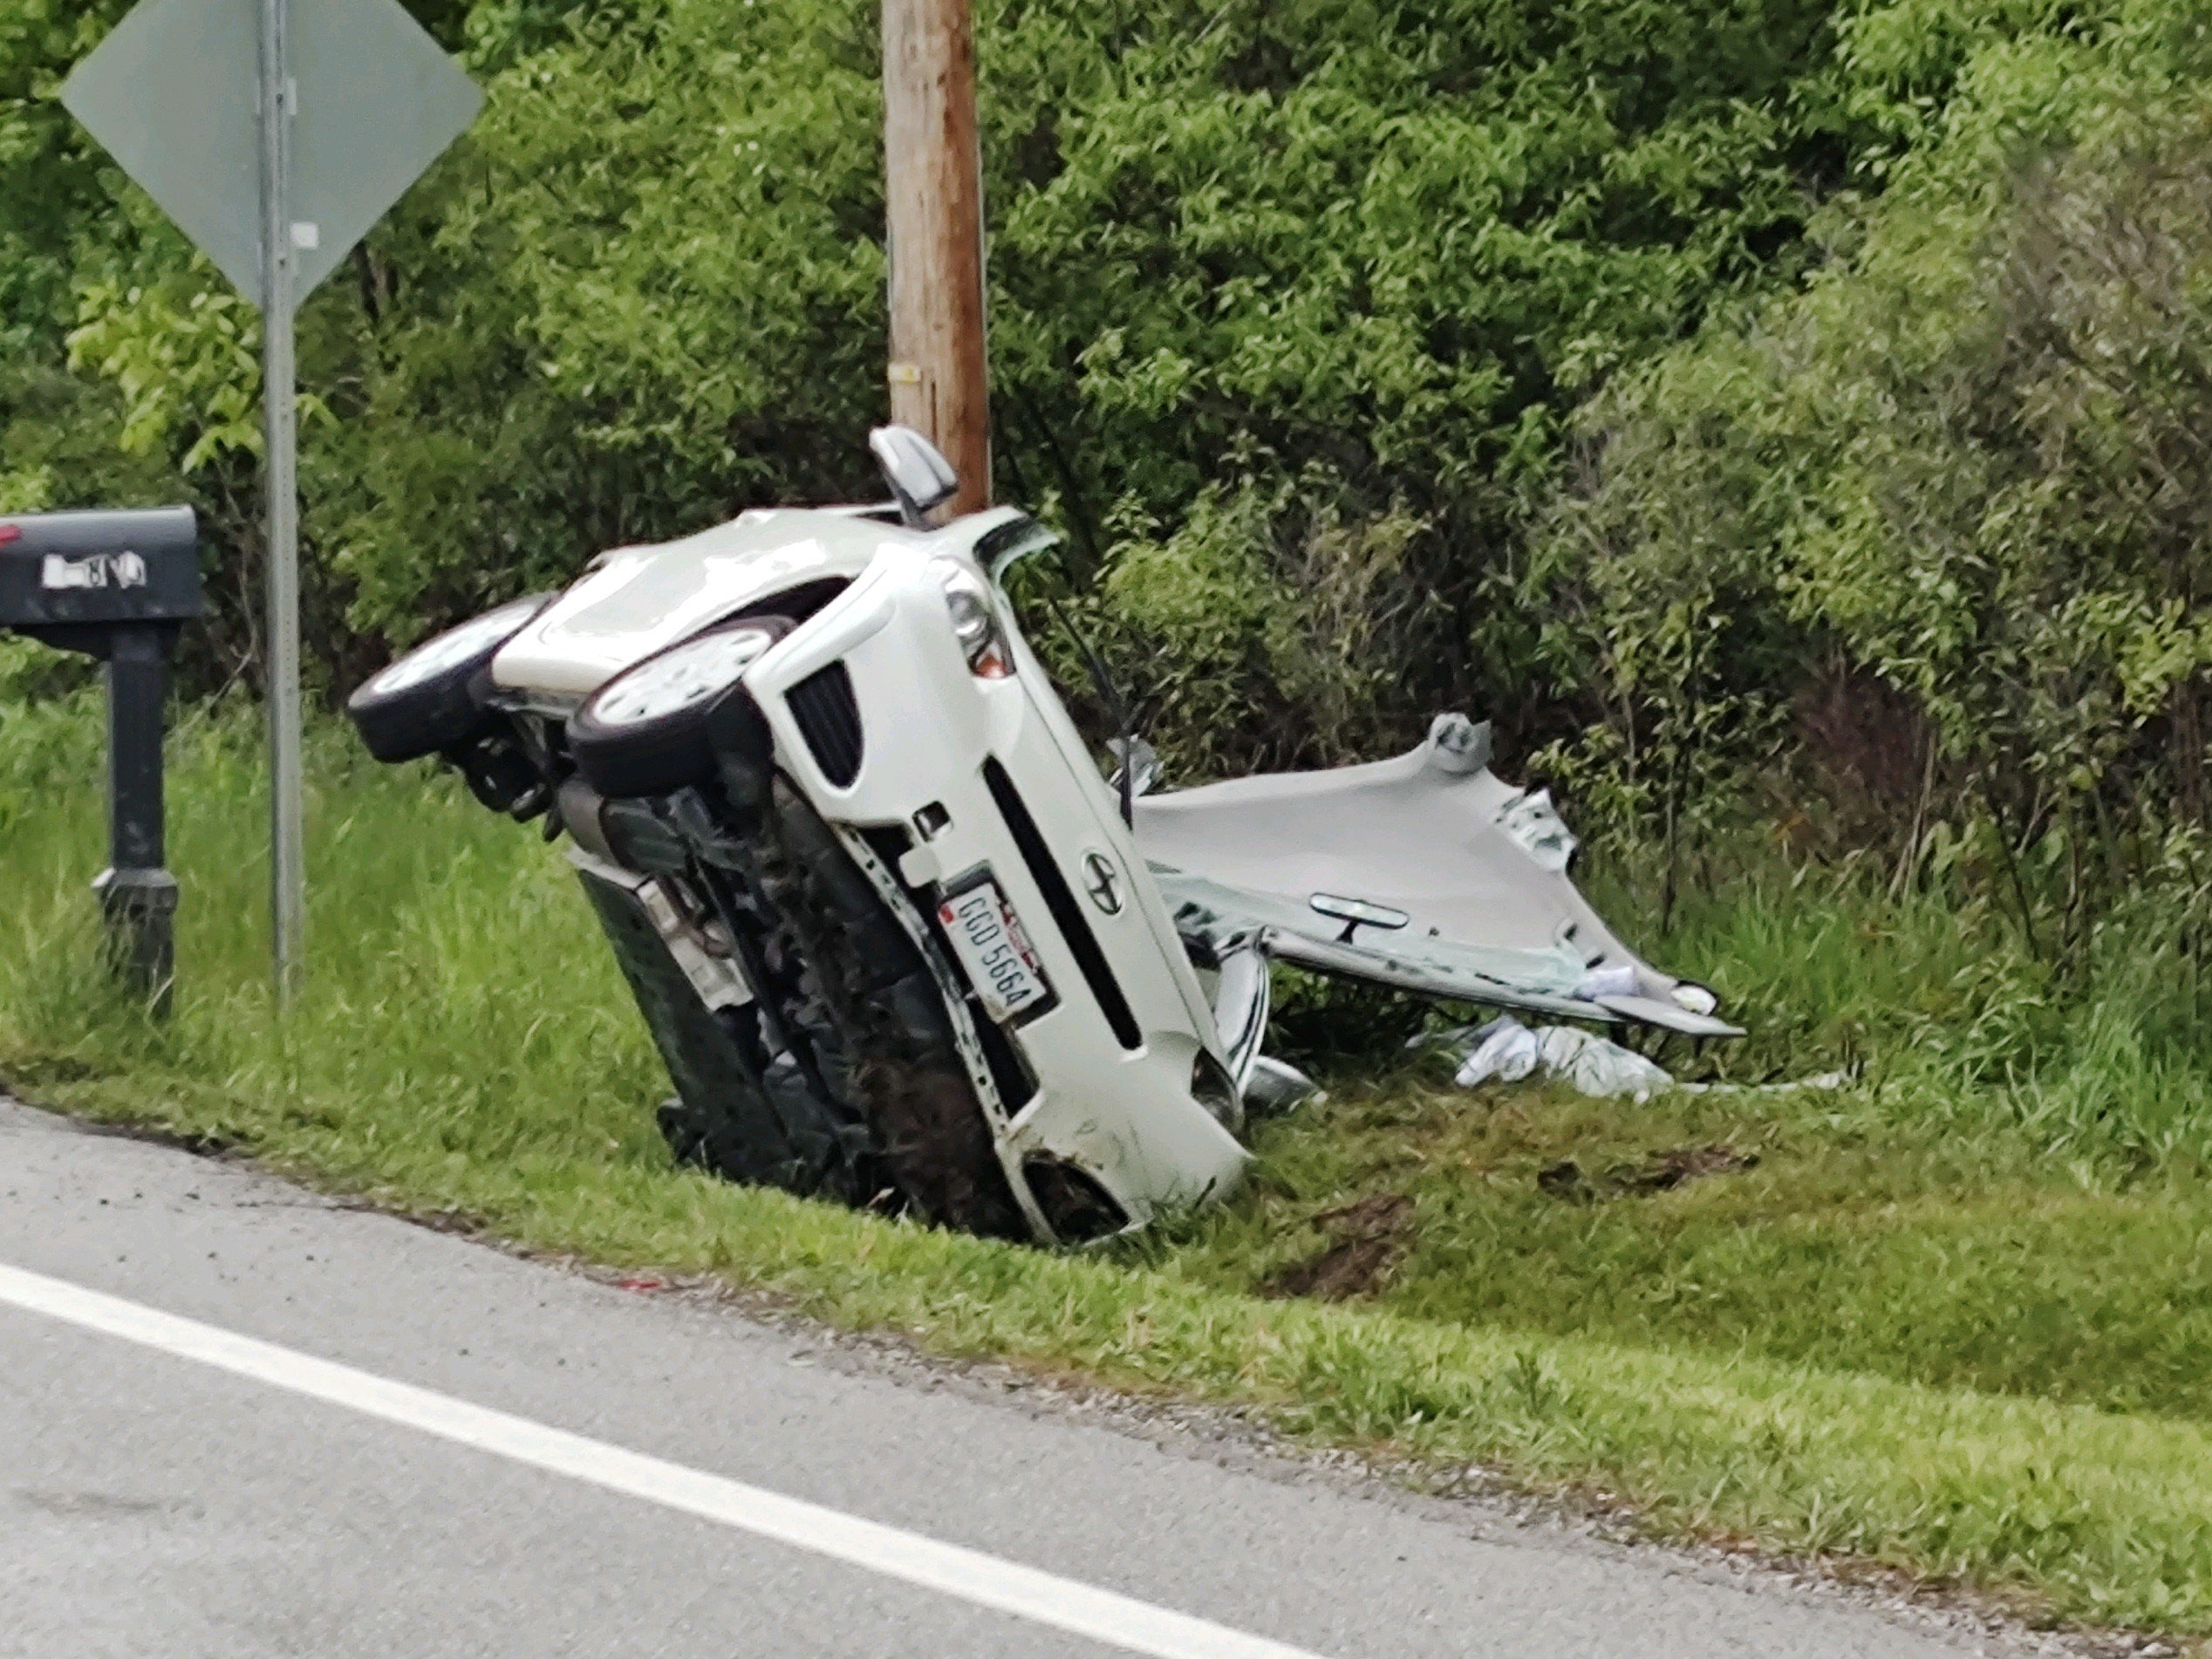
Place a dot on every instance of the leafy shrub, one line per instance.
(1372, 251)
(1964, 471)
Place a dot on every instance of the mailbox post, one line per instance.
(117, 586)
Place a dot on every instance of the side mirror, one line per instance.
(918, 474)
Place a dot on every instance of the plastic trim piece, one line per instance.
(1067, 911)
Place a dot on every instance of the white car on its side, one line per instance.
(897, 938)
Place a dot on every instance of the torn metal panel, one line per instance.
(1273, 1087)
(1426, 872)
(1241, 995)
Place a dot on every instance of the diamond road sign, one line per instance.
(173, 94)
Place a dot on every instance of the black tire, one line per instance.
(929, 1126)
(434, 698)
(623, 752)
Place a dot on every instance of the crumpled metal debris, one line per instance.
(1273, 1087)
(1425, 873)
(1535, 825)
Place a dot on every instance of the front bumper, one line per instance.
(927, 769)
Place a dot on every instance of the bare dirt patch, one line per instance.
(1661, 1171)
(1370, 1235)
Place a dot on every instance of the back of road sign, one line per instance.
(173, 95)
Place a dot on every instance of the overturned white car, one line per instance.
(898, 939)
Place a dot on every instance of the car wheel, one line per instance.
(650, 729)
(929, 1128)
(434, 698)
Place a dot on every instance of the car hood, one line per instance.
(1463, 876)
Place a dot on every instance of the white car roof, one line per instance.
(637, 600)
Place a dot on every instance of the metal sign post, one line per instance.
(275, 132)
(286, 833)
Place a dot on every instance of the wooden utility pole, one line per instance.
(933, 189)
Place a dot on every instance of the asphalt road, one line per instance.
(578, 1469)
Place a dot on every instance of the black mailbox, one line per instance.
(117, 586)
(98, 570)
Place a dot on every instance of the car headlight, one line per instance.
(1215, 1089)
(975, 621)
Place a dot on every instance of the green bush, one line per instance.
(1936, 521)
(1304, 267)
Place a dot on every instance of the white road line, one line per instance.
(967, 1575)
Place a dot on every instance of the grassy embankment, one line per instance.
(1957, 1327)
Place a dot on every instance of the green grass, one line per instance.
(1850, 1246)
(1949, 1320)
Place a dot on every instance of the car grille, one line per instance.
(828, 718)
(1066, 910)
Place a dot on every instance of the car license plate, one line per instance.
(1001, 963)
